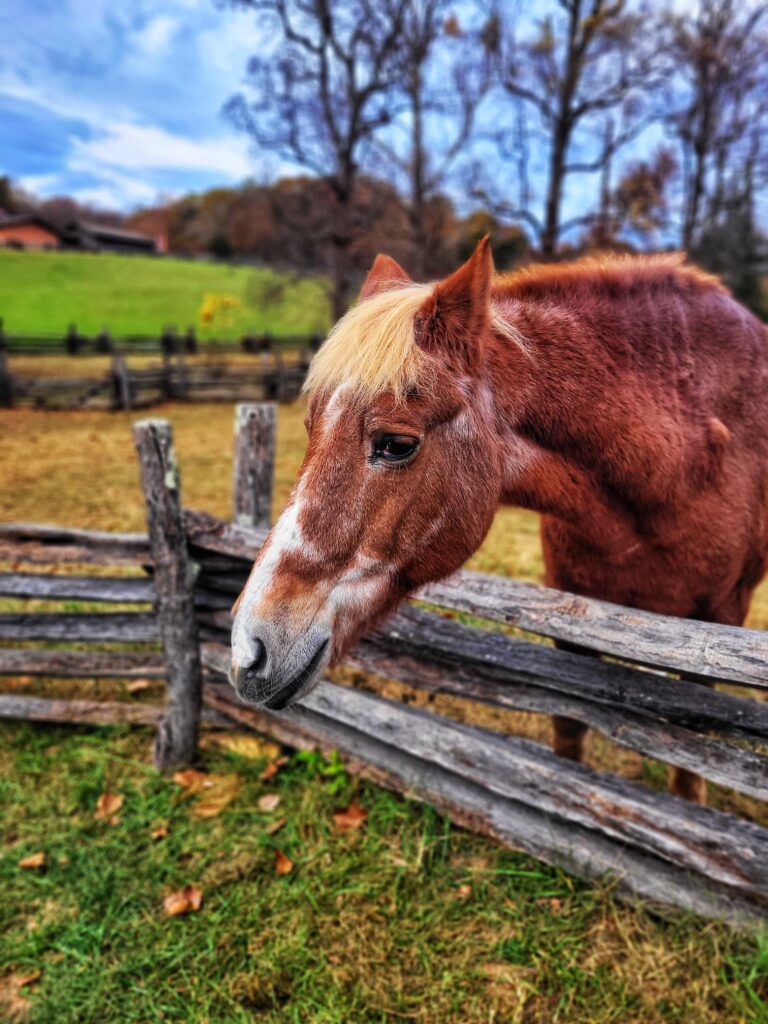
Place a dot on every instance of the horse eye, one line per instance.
(393, 448)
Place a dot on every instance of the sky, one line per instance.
(118, 102)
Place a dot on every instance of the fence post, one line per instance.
(6, 381)
(279, 375)
(182, 376)
(176, 738)
(254, 464)
(103, 341)
(121, 383)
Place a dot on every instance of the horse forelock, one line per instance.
(373, 348)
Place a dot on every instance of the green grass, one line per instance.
(44, 292)
(404, 919)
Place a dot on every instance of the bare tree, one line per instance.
(720, 52)
(589, 70)
(443, 74)
(318, 96)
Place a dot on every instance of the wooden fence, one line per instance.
(274, 375)
(594, 824)
(168, 341)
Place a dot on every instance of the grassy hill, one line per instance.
(43, 292)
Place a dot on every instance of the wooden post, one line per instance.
(279, 376)
(6, 381)
(176, 738)
(104, 341)
(182, 377)
(254, 464)
(121, 384)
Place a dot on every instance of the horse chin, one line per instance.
(303, 683)
(265, 691)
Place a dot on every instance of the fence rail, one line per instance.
(592, 823)
(270, 376)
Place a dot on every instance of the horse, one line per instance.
(624, 398)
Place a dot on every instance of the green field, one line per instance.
(45, 291)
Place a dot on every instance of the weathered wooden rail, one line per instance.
(595, 824)
(276, 375)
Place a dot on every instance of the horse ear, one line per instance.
(453, 319)
(384, 274)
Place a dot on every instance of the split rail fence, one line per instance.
(274, 375)
(593, 824)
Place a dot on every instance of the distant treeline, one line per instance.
(558, 128)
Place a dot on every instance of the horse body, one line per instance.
(623, 399)
(645, 408)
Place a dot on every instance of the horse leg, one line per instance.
(681, 781)
(568, 737)
(568, 734)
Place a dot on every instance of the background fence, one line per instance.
(274, 375)
(594, 824)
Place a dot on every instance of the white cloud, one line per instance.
(154, 37)
(147, 147)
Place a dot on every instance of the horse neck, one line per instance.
(540, 418)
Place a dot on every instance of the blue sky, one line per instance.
(117, 102)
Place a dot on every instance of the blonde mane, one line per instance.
(373, 347)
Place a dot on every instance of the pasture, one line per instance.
(43, 292)
(401, 917)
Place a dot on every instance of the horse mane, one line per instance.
(605, 271)
(373, 348)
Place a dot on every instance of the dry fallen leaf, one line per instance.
(283, 864)
(504, 972)
(351, 818)
(108, 805)
(13, 1005)
(140, 684)
(273, 768)
(275, 826)
(269, 802)
(160, 832)
(245, 744)
(33, 861)
(185, 901)
(218, 792)
(190, 780)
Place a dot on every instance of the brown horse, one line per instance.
(625, 399)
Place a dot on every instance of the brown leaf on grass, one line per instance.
(184, 901)
(275, 826)
(245, 744)
(218, 792)
(160, 832)
(269, 802)
(108, 805)
(12, 1004)
(351, 818)
(33, 861)
(273, 768)
(140, 684)
(504, 972)
(190, 780)
(283, 864)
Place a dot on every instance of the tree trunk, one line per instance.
(551, 231)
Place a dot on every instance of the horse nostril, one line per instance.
(258, 660)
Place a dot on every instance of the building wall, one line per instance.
(31, 236)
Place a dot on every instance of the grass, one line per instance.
(43, 292)
(404, 919)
